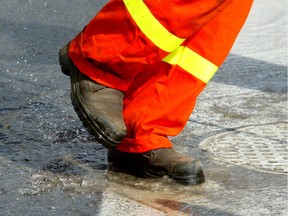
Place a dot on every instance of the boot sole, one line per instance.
(79, 106)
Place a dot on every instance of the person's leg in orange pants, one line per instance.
(161, 105)
(160, 80)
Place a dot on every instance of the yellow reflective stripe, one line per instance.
(151, 27)
(192, 62)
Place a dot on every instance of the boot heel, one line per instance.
(64, 60)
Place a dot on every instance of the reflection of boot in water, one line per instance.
(98, 107)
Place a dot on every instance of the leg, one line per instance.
(159, 105)
(161, 99)
(105, 58)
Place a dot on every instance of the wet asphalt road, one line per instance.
(50, 165)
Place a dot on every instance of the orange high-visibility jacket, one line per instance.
(160, 54)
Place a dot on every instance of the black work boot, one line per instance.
(160, 162)
(98, 107)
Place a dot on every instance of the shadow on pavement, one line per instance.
(251, 73)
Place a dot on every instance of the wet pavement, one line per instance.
(50, 165)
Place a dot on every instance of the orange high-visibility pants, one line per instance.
(160, 54)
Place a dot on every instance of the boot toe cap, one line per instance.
(191, 173)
